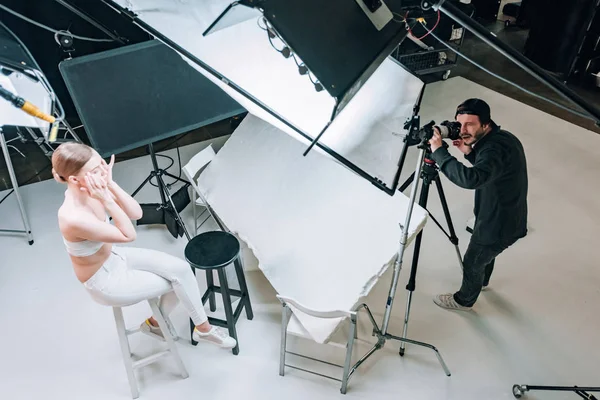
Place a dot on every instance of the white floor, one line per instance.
(537, 325)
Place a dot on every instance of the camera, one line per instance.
(448, 130)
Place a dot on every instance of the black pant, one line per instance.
(478, 265)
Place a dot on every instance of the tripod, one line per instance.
(167, 203)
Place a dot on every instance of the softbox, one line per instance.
(341, 42)
(139, 94)
(246, 59)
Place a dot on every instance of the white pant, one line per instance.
(131, 275)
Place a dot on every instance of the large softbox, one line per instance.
(139, 94)
(244, 60)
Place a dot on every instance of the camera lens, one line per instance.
(450, 130)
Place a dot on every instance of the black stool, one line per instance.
(214, 251)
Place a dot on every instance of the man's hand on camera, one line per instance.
(436, 140)
(464, 148)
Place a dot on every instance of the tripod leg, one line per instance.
(142, 184)
(453, 237)
(415, 261)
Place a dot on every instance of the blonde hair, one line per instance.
(68, 159)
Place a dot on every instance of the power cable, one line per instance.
(55, 31)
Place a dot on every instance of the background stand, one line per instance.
(15, 185)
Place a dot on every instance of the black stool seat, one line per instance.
(211, 250)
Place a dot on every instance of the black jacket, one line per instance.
(499, 177)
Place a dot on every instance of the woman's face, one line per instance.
(92, 167)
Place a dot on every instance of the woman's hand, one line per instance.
(97, 188)
(108, 170)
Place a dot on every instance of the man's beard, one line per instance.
(472, 139)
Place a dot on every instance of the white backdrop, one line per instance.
(321, 234)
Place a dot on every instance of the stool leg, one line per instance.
(239, 270)
(228, 310)
(126, 351)
(170, 342)
(211, 283)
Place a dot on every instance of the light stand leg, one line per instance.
(403, 241)
(349, 349)
(413, 271)
(143, 184)
(15, 184)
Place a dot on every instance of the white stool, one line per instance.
(130, 364)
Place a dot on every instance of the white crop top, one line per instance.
(84, 248)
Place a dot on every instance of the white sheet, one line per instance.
(321, 234)
(366, 132)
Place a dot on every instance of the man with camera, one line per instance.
(499, 177)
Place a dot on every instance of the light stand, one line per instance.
(15, 184)
(429, 174)
(167, 204)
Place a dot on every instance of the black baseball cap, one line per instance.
(475, 107)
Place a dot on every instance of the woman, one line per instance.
(118, 276)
